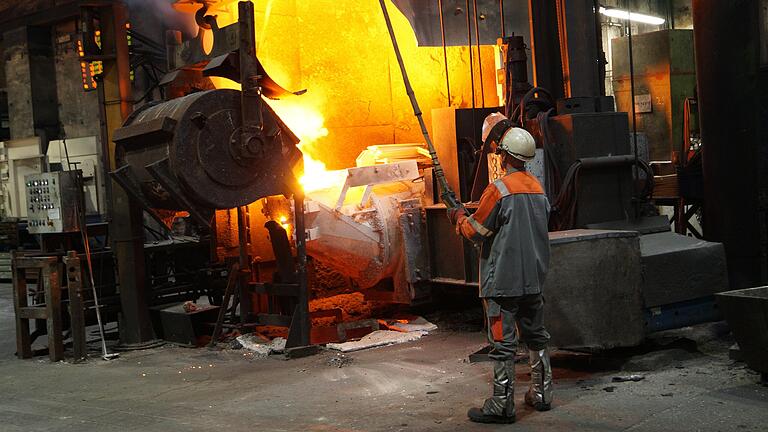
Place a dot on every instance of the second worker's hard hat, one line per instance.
(491, 121)
(501, 135)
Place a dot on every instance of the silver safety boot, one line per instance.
(539, 396)
(499, 408)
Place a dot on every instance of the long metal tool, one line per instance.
(80, 210)
(446, 193)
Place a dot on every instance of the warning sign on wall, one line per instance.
(643, 103)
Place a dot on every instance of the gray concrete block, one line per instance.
(645, 225)
(593, 289)
(677, 268)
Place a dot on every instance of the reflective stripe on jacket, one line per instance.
(511, 224)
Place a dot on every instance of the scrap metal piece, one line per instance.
(628, 378)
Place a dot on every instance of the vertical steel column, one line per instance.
(580, 48)
(251, 136)
(107, 155)
(246, 305)
(479, 54)
(250, 139)
(633, 116)
(545, 47)
(732, 106)
(127, 233)
(300, 323)
(471, 56)
(501, 19)
(76, 305)
(445, 50)
(126, 227)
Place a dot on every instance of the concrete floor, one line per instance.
(421, 386)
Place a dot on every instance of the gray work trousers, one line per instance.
(510, 319)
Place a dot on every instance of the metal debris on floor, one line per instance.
(394, 331)
(377, 339)
(339, 360)
(416, 324)
(400, 331)
(260, 345)
(634, 378)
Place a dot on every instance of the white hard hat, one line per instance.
(490, 122)
(519, 143)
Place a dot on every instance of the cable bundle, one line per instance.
(565, 205)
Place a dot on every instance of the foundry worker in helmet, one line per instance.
(510, 225)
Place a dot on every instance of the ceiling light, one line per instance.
(632, 16)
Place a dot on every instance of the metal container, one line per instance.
(453, 259)
(374, 234)
(188, 152)
(746, 311)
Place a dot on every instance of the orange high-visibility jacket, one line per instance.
(511, 224)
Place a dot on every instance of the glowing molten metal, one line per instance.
(308, 124)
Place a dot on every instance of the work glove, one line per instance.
(454, 213)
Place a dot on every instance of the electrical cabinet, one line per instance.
(53, 201)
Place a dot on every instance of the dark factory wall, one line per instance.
(15, 13)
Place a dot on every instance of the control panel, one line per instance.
(53, 200)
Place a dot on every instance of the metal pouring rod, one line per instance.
(447, 194)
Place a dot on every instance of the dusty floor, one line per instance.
(421, 386)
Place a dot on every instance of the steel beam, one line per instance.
(545, 47)
(580, 48)
(126, 224)
(732, 104)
